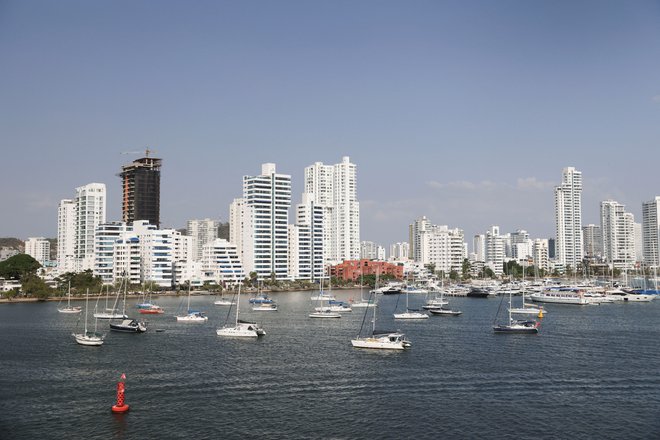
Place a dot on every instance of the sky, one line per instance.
(463, 111)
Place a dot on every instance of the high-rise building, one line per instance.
(479, 247)
(368, 250)
(618, 231)
(495, 250)
(202, 232)
(568, 218)
(592, 237)
(540, 251)
(334, 187)
(415, 231)
(306, 258)
(221, 263)
(38, 248)
(105, 239)
(259, 223)
(90, 212)
(639, 247)
(400, 251)
(651, 231)
(66, 236)
(141, 190)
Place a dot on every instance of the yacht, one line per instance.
(129, 326)
(383, 341)
(241, 329)
(560, 296)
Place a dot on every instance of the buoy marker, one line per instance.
(120, 407)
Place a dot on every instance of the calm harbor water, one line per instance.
(592, 372)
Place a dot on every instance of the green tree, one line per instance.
(453, 275)
(465, 269)
(33, 285)
(17, 266)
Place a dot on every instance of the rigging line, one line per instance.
(366, 309)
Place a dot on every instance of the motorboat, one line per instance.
(480, 292)
(623, 295)
(129, 326)
(560, 296)
(445, 312)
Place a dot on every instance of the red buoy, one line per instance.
(120, 407)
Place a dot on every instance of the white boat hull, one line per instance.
(385, 342)
(89, 340)
(190, 318)
(103, 315)
(325, 315)
(559, 299)
(70, 310)
(527, 311)
(242, 330)
(362, 305)
(410, 315)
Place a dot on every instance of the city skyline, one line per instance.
(465, 114)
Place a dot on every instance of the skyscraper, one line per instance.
(334, 187)
(618, 231)
(651, 230)
(568, 218)
(141, 190)
(259, 223)
(66, 236)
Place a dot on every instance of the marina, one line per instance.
(183, 377)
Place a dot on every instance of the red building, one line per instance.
(352, 269)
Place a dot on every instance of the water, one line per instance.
(592, 372)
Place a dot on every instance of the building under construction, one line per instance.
(141, 190)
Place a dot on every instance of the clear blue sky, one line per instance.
(465, 112)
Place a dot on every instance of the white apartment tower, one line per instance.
(306, 239)
(651, 231)
(415, 235)
(66, 236)
(495, 250)
(221, 263)
(541, 259)
(38, 248)
(202, 232)
(105, 239)
(592, 240)
(400, 251)
(568, 218)
(90, 212)
(259, 223)
(618, 228)
(334, 187)
(479, 247)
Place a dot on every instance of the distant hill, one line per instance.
(12, 242)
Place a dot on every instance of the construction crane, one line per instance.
(147, 152)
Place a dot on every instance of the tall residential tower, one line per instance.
(141, 190)
(568, 218)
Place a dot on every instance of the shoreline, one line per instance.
(157, 294)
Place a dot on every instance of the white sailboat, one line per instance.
(362, 303)
(323, 312)
(380, 340)
(323, 296)
(192, 315)
(410, 314)
(526, 309)
(68, 308)
(241, 329)
(516, 326)
(109, 313)
(128, 325)
(89, 338)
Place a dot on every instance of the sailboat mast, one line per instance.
(86, 302)
(238, 302)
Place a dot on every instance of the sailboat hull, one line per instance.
(70, 310)
(88, 339)
(378, 343)
(514, 329)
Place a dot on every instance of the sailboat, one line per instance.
(68, 308)
(241, 329)
(440, 311)
(410, 314)
(379, 340)
(89, 338)
(362, 303)
(149, 308)
(323, 312)
(109, 313)
(516, 326)
(527, 309)
(128, 325)
(323, 296)
(192, 315)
